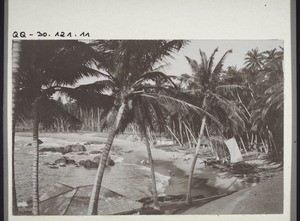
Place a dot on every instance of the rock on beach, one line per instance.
(65, 160)
(66, 149)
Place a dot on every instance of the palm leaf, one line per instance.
(180, 105)
(219, 66)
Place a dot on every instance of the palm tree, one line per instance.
(210, 88)
(267, 111)
(136, 93)
(254, 60)
(46, 67)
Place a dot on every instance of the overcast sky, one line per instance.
(179, 64)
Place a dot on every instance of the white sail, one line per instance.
(235, 153)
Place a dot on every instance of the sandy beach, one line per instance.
(130, 176)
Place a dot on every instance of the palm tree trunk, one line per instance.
(241, 102)
(248, 139)
(15, 84)
(174, 135)
(211, 144)
(273, 142)
(93, 204)
(190, 132)
(264, 145)
(92, 119)
(98, 119)
(35, 145)
(241, 139)
(154, 190)
(189, 190)
(180, 130)
(188, 137)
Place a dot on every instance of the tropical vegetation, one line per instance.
(205, 106)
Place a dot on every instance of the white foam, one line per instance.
(22, 204)
(119, 160)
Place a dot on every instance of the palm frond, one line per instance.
(181, 105)
(230, 89)
(155, 76)
(219, 66)
(211, 60)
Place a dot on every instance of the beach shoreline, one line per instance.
(172, 168)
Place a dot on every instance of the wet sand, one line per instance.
(128, 177)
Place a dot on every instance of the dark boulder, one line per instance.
(109, 161)
(97, 159)
(88, 164)
(65, 160)
(75, 148)
(96, 152)
(30, 144)
(64, 150)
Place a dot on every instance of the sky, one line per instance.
(179, 65)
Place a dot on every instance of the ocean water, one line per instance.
(130, 180)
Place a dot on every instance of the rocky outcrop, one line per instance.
(94, 163)
(96, 152)
(64, 150)
(109, 161)
(30, 144)
(65, 160)
(88, 164)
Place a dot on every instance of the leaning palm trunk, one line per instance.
(154, 193)
(15, 84)
(35, 177)
(93, 204)
(189, 190)
(173, 134)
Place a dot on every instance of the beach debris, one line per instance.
(53, 166)
(186, 159)
(66, 149)
(129, 151)
(62, 165)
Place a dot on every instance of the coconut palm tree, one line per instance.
(45, 67)
(267, 111)
(136, 92)
(211, 90)
(254, 59)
